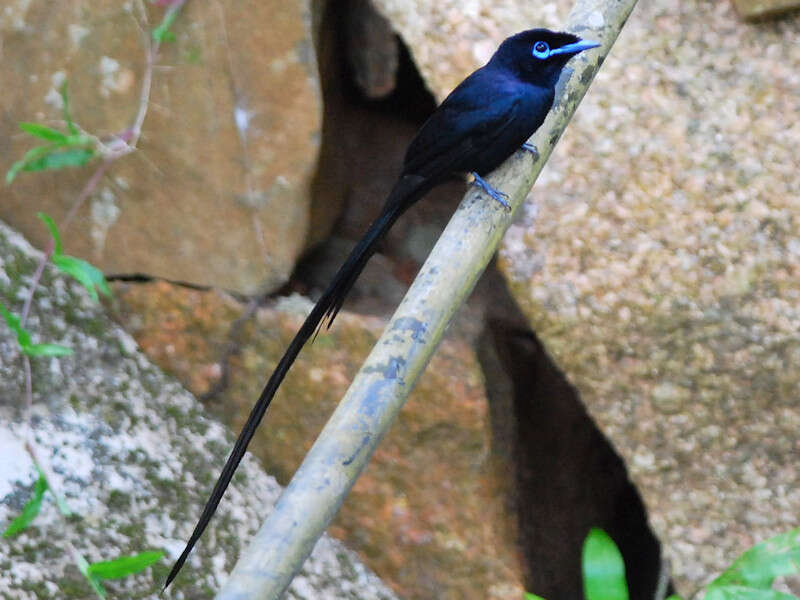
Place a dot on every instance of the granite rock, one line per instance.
(133, 454)
(430, 512)
(657, 260)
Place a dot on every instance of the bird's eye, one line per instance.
(541, 50)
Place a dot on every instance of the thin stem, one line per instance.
(48, 252)
(26, 361)
(90, 186)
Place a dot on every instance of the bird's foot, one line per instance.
(532, 149)
(496, 194)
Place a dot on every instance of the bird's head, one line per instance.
(538, 55)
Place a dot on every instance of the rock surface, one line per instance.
(658, 263)
(219, 191)
(451, 38)
(372, 50)
(429, 513)
(755, 9)
(133, 454)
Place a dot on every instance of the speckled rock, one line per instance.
(451, 38)
(133, 453)
(219, 191)
(658, 261)
(429, 513)
(756, 9)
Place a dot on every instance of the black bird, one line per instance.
(487, 118)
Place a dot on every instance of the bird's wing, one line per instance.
(472, 118)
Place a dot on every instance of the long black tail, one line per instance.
(407, 190)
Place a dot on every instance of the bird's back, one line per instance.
(482, 122)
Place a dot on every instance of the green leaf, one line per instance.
(760, 565)
(24, 338)
(741, 592)
(124, 565)
(674, 597)
(529, 596)
(74, 157)
(84, 567)
(14, 323)
(51, 226)
(44, 132)
(88, 275)
(162, 33)
(12, 320)
(603, 568)
(63, 508)
(65, 107)
(29, 511)
(46, 350)
(31, 155)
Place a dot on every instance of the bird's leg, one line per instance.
(532, 149)
(497, 195)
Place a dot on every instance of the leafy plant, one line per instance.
(24, 338)
(64, 149)
(73, 148)
(30, 510)
(750, 577)
(87, 274)
(118, 568)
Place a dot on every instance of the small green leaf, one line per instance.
(603, 568)
(674, 597)
(31, 155)
(29, 511)
(529, 596)
(74, 157)
(51, 226)
(760, 565)
(44, 132)
(124, 565)
(46, 350)
(87, 274)
(12, 320)
(65, 107)
(24, 338)
(741, 592)
(14, 323)
(84, 567)
(162, 33)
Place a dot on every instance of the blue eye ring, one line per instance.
(541, 50)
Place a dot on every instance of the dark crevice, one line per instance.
(567, 476)
(143, 278)
(363, 140)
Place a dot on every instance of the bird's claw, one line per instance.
(527, 147)
(496, 194)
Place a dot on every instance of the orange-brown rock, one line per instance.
(218, 192)
(428, 514)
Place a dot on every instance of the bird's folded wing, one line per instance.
(458, 131)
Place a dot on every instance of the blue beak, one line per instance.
(575, 48)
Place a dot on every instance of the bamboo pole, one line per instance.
(343, 448)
